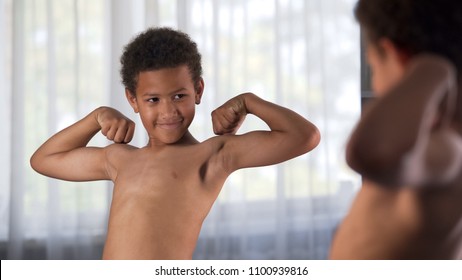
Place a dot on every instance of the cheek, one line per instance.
(147, 116)
(385, 81)
(379, 73)
(377, 84)
(188, 110)
(189, 116)
(382, 78)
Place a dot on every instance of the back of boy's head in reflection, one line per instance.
(412, 27)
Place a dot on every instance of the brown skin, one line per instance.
(164, 191)
(409, 151)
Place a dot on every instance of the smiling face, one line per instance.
(165, 100)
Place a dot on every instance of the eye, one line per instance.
(179, 96)
(153, 100)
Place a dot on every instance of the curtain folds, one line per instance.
(59, 60)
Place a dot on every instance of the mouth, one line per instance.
(170, 125)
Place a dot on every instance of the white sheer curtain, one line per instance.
(60, 59)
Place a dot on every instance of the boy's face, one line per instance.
(166, 100)
(386, 65)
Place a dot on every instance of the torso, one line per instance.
(402, 223)
(160, 200)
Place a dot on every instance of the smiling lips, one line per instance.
(170, 124)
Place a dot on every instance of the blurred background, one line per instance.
(59, 60)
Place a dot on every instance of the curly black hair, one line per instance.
(158, 48)
(415, 26)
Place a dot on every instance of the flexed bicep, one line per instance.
(257, 148)
(66, 155)
(290, 135)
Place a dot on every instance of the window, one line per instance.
(302, 54)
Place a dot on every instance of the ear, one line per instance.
(199, 90)
(132, 100)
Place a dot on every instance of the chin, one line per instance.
(171, 139)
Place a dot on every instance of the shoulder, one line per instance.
(217, 143)
(121, 148)
(116, 155)
(119, 152)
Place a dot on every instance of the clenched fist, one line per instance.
(227, 118)
(114, 125)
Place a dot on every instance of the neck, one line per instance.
(186, 140)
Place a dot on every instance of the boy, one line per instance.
(408, 145)
(163, 192)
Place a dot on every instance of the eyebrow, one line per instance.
(157, 94)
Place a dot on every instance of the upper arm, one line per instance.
(81, 164)
(395, 142)
(261, 148)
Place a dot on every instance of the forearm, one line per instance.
(64, 155)
(75, 136)
(400, 123)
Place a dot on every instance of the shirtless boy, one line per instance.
(408, 145)
(163, 192)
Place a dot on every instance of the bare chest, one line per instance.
(176, 180)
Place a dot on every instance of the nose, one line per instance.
(168, 110)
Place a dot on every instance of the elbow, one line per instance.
(36, 162)
(314, 139)
(310, 139)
